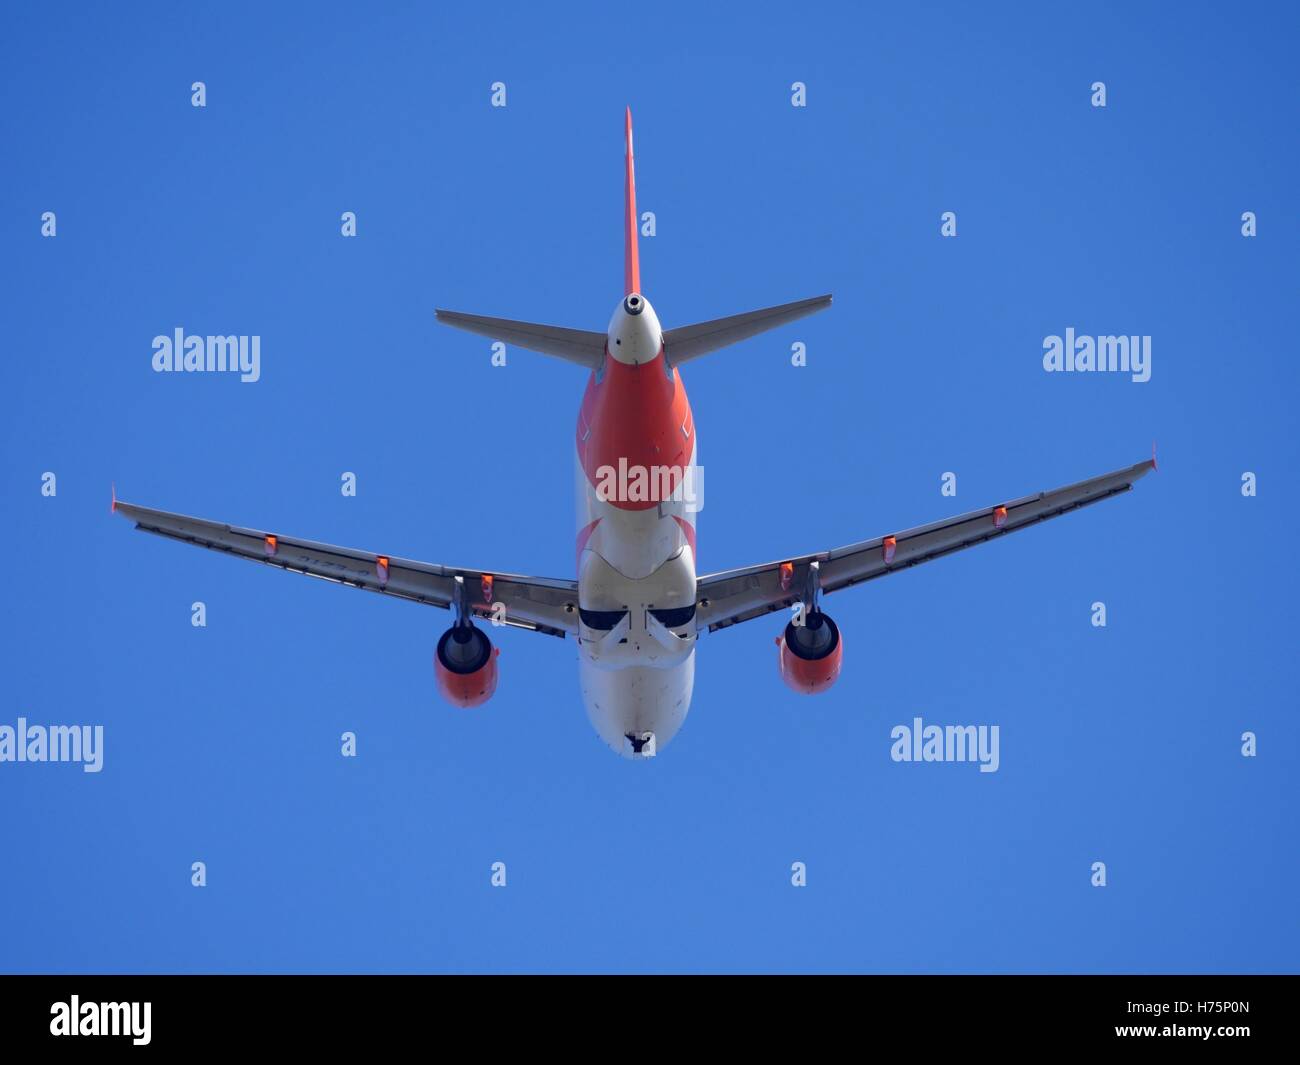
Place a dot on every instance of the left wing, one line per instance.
(542, 604)
(728, 598)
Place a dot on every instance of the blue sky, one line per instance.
(1119, 744)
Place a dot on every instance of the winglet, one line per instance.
(631, 257)
(1153, 457)
(112, 506)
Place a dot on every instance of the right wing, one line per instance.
(738, 595)
(542, 604)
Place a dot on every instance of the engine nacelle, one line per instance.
(811, 654)
(466, 666)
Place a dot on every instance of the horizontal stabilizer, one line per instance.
(579, 346)
(692, 341)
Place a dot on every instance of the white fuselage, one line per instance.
(637, 494)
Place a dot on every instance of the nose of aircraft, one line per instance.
(634, 332)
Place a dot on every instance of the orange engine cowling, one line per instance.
(811, 654)
(466, 665)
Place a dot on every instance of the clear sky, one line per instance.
(222, 744)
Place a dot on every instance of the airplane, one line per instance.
(637, 606)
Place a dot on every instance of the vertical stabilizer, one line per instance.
(631, 258)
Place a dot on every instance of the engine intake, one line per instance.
(466, 666)
(811, 654)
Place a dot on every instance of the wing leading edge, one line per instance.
(737, 595)
(541, 604)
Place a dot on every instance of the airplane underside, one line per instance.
(638, 709)
(636, 606)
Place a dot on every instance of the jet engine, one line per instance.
(811, 654)
(466, 665)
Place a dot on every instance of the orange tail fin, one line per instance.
(631, 258)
